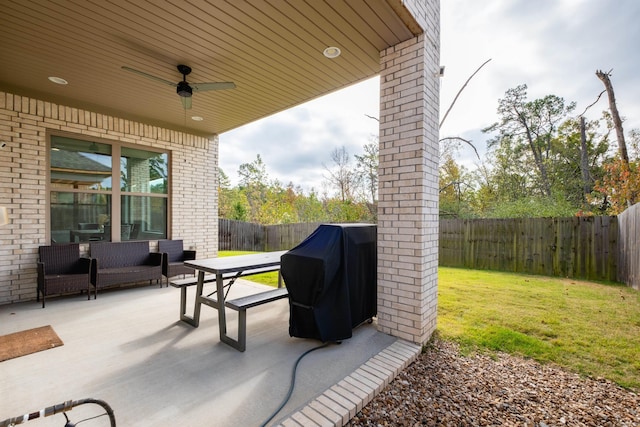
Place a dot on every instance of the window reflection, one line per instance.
(143, 171)
(79, 217)
(80, 164)
(144, 218)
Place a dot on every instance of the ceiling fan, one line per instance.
(183, 88)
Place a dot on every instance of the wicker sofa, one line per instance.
(124, 262)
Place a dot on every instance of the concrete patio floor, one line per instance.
(129, 349)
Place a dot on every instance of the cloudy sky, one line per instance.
(552, 46)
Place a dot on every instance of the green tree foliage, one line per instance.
(511, 175)
(537, 164)
(526, 129)
(309, 208)
(541, 162)
(564, 165)
(337, 210)
(232, 202)
(533, 207)
(238, 212)
(367, 176)
(279, 206)
(258, 199)
(254, 184)
(456, 190)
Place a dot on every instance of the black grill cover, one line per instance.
(331, 278)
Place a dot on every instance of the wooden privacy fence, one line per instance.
(629, 247)
(240, 236)
(244, 236)
(594, 248)
(283, 237)
(579, 247)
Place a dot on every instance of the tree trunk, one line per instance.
(584, 160)
(537, 157)
(622, 145)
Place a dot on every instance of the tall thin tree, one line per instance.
(584, 160)
(615, 115)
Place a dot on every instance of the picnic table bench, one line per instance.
(184, 284)
(229, 269)
(243, 303)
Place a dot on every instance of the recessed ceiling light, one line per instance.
(197, 118)
(58, 80)
(332, 52)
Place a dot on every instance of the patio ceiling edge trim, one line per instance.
(405, 15)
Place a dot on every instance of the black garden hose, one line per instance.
(292, 384)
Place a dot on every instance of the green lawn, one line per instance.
(589, 328)
(270, 279)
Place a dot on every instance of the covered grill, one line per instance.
(331, 278)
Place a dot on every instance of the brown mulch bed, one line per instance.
(444, 388)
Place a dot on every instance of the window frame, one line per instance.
(116, 193)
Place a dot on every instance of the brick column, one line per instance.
(408, 181)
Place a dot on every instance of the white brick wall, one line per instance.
(408, 181)
(25, 124)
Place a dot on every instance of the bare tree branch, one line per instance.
(594, 103)
(457, 138)
(341, 176)
(460, 91)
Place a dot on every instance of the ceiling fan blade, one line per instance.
(149, 76)
(186, 102)
(201, 87)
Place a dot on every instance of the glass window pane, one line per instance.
(143, 171)
(143, 217)
(79, 217)
(80, 164)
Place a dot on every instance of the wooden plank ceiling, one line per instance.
(271, 49)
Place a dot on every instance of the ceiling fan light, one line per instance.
(184, 90)
(186, 102)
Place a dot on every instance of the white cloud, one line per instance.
(295, 144)
(553, 46)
